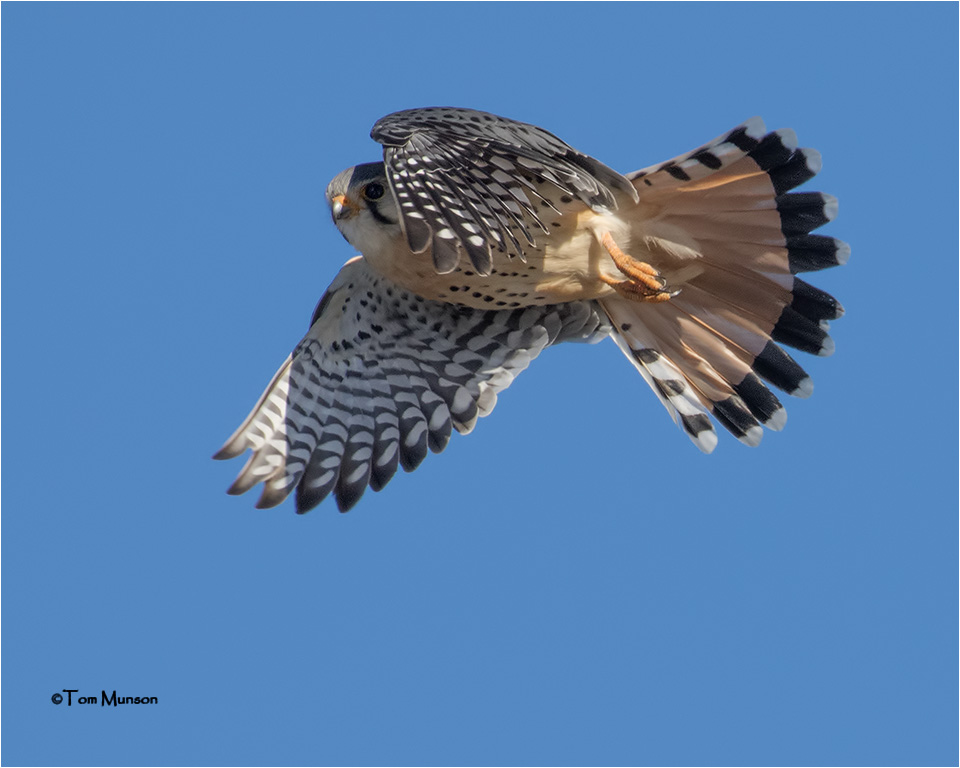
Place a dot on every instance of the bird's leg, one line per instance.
(644, 284)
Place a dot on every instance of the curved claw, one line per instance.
(643, 283)
(638, 291)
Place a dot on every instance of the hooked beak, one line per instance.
(341, 207)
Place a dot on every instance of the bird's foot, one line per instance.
(637, 291)
(644, 283)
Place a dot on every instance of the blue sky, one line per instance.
(572, 583)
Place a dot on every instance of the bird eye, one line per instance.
(373, 191)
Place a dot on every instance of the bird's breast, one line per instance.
(563, 266)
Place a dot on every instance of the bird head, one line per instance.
(363, 207)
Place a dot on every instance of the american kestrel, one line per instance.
(485, 240)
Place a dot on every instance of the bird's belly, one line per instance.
(565, 266)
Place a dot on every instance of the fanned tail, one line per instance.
(722, 226)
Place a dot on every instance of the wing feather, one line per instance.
(382, 378)
(440, 156)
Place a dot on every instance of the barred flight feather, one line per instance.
(445, 153)
(350, 405)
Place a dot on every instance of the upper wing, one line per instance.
(468, 179)
(382, 376)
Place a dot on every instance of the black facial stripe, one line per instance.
(375, 212)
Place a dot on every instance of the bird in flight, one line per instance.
(484, 240)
